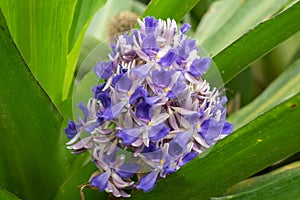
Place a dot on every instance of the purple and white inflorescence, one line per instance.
(153, 113)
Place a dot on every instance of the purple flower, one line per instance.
(147, 182)
(150, 46)
(188, 157)
(128, 170)
(152, 113)
(104, 70)
(71, 130)
(199, 66)
(179, 144)
(176, 90)
(111, 180)
(84, 110)
(184, 50)
(168, 59)
(100, 181)
(139, 93)
(150, 24)
(143, 111)
(211, 129)
(129, 136)
(123, 84)
(161, 78)
(103, 96)
(185, 28)
(158, 132)
(113, 111)
(142, 70)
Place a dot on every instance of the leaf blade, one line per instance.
(240, 16)
(279, 184)
(30, 161)
(164, 9)
(286, 85)
(82, 15)
(70, 188)
(42, 38)
(217, 15)
(262, 147)
(7, 195)
(50, 41)
(240, 54)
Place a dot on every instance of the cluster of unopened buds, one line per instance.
(153, 113)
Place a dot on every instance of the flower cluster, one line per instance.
(153, 113)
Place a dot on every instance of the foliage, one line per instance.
(41, 42)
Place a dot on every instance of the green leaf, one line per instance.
(266, 69)
(285, 86)
(257, 42)
(280, 184)
(86, 73)
(240, 155)
(83, 91)
(227, 20)
(88, 44)
(30, 164)
(218, 14)
(44, 31)
(164, 9)
(7, 195)
(40, 30)
(70, 189)
(83, 14)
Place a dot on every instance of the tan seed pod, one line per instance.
(121, 22)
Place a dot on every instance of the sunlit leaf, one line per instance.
(262, 142)
(30, 163)
(217, 16)
(82, 15)
(70, 188)
(7, 195)
(164, 9)
(257, 42)
(280, 90)
(266, 69)
(218, 29)
(280, 184)
(41, 32)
